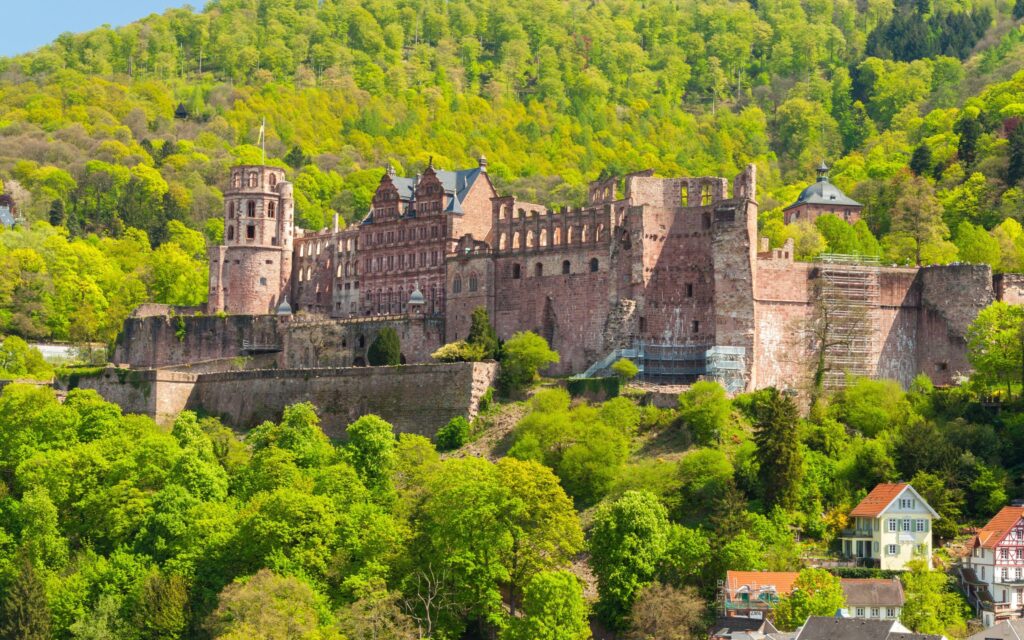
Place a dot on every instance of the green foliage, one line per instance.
(385, 350)
(553, 609)
(994, 345)
(704, 409)
(595, 388)
(482, 335)
(625, 369)
(628, 539)
(269, 605)
(816, 592)
(932, 603)
(778, 448)
(24, 611)
(453, 435)
(19, 360)
(872, 406)
(522, 357)
(371, 450)
(458, 351)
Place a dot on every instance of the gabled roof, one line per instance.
(731, 626)
(1005, 630)
(996, 529)
(829, 628)
(875, 503)
(872, 592)
(755, 581)
(456, 185)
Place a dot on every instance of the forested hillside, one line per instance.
(915, 103)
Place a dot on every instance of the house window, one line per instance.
(921, 525)
(1006, 574)
(1016, 574)
(1004, 554)
(566, 267)
(860, 612)
(891, 549)
(892, 525)
(875, 612)
(906, 524)
(890, 612)
(906, 503)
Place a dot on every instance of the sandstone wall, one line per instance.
(160, 341)
(344, 343)
(1009, 287)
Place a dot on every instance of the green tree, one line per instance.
(453, 435)
(778, 447)
(816, 592)
(24, 611)
(371, 450)
(553, 609)
(663, 612)
(163, 602)
(19, 360)
(704, 408)
(385, 350)
(932, 604)
(268, 606)
(1015, 167)
(627, 541)
(624, 369)
(921, 160)
(523, 355)
(917, 218)
(482, 334)
(976, 246)
(994, 344)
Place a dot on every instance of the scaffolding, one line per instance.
(848, 300)
(727, 366)
(673, 363)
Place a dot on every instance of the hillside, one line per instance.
(554, 93)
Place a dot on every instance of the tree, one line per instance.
(386, 350)
(921, 160)
(994, 344)
(969, 130)
(704, 409)
(1015, 168)
(453, 435)
(482, 334)
(371, 450)
(816, 592)
(624, 369)
(663, 612)
(458, 351)
(24, 612)
(376, 616)
(627, 541)
(161, 612)
(975, 245)
(932, 604)
(523, 355)
(917, 216)
(553, 609)
(20, 360)
(266, 605)
(57, 215)
(778, 448)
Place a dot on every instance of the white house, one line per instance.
(872, 598)
(993, 572)
(891, 526)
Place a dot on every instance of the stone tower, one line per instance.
(251, 272)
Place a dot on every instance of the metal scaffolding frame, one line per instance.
(850, 295)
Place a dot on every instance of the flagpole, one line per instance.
(263, 141)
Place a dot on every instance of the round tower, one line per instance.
(256, 259)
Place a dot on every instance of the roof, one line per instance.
(1005, 630)
(873, 592)
(823, 191)
(875, 503)
(915, 636)
(829, 628)
(732, 626)
(996, 529)
(457, 183)
(782, 581)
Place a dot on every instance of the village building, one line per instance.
(820, 198)
(753, 594)
(838, 628)
(891, 526)
(992, 573)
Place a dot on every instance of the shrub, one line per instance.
(482, 334)
(452, 435)
(523, 356)
(460, 351)
(625, 369)
(385, 350)
(705, 409)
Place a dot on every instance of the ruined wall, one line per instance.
(313, 274)
(470, 272)
(951, 298)
(898, 318)
(781, 308)
(1009, 287)
(162, 395)
(344, 343)
(160, 341)
(397, 394)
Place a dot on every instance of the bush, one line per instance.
(705, 409)
(625, 369)
(487, 399)
(523, 356)
(482, 335)
(385, 350)
(452, 435)
(20, 360)
(460, 351)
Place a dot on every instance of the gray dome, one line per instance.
(416, 297)
(284, 309)
(824, 192)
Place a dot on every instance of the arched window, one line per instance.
(515, 272)
(584, 234)
(556, 236)
(251, 209)
(543, 237)
(538, 270)
(600, 232)
(236, 180)
(457, 285)
(231, 233)
(502, 242)
(250, 232)
(472, 283)
(570, 236)
(593, 265)
(253, 180)
(517, 239)
(529, 240)
(566, 267)
(271, 209)
(273, 180)
(231, 211)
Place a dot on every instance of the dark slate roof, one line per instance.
(828, 628)
(456, 185)
(873, 592)
(824, 192)
(914, 636)
(730, 625)
(1005, 630)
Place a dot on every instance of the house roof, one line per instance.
(782, 581)
(456, 185)
(873, 592)
(875, 503)
(732, 626)
(830, 628)
(995, 529)
(1005, 630)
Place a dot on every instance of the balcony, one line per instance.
(856, 533)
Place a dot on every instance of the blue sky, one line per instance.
(29, 24)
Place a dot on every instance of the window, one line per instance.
(457, 285)
(891, 549)
(906, 524)
(231, 233)
(1004, 554)
(515, 272)
(250, 232)
(263, 282)
(860, 612)
(593, 265)
(696, 326)
(892, 525)
(472, 283)
(890, 612)
(538, 270)
(1006, 574)
(906, 503)
(271, 209)
(875, 612)
(273, 180)
(1016, 574)
(689, 290)
(921, 525)
(251, 209)
(231, 210)
(566, 267)
(433, 259)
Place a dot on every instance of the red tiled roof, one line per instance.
(880, 497)
(996, 528)
(757, 580)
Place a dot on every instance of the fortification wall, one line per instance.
(344, 343)
(160, 341)
(898, 319)
(951, 298)
(1009, 287)
(162, 395)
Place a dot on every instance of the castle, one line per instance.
(669, 272)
